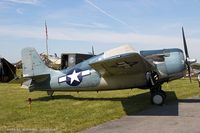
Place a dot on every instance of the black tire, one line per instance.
(157, 98)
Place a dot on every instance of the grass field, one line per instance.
(73, 112)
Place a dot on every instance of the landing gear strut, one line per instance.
(158, 96)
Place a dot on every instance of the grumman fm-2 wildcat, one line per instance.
(119, 68)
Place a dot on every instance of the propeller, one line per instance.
(188, 61)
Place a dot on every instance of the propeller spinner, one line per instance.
(188, 61)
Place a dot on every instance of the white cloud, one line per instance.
(32, 2)
(20, 31)
(100, 25)
(20, 11)
(95, 35)
(93, 25)
(139, 41)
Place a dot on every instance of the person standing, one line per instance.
(198, 77)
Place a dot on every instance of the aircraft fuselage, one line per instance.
(169, 63)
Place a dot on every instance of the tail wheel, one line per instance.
(50, 93)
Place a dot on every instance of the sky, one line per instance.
(77, 25)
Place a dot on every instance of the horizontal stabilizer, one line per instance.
(26, 84)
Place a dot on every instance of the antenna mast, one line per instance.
(46, 39)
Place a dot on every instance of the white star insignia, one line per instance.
(74, 76)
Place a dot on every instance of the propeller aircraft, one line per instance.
(119, 68)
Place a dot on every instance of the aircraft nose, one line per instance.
(191, 61)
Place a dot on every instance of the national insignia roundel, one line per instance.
(74, 77)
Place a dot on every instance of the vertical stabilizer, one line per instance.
(32, 63)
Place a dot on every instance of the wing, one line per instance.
(131, 63)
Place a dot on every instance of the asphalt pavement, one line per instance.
(182, 116)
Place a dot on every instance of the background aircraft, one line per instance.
(7, 71)
(119, 68)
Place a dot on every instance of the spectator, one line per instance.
(198, 79)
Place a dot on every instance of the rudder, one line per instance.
(32, 64)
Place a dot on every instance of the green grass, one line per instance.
(73, 112)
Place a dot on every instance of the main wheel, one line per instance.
(157, 98)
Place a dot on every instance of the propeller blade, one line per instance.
(185, 44)
(187, 56)
(189, 72)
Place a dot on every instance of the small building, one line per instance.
(7, 71)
